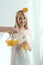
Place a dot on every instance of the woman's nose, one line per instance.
(22, 20)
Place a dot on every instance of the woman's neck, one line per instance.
(21, 27)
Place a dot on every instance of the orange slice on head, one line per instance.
(25, 10)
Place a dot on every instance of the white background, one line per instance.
(8, 8)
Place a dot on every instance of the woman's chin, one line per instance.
(21, 25)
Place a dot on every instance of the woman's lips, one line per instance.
(21, 22)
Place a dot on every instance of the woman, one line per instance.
(19, 56)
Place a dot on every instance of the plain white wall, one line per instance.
(41, 31)
(36, 43)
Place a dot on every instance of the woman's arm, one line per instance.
(29, 39)
(8, 29)
(30, 42)
(5, 29)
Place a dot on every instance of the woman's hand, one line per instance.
(12, 30)
(29, 45)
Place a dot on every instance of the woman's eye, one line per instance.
(24, 17)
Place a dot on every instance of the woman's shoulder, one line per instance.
(28, 31)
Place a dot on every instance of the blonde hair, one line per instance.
(20, 11)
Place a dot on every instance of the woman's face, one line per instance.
(21, 20)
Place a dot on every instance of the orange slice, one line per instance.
(25, 10)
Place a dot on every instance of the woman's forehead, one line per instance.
(20, 15)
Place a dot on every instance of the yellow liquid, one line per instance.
(12, 42)
(24, 46)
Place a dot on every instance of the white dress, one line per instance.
(18, 55)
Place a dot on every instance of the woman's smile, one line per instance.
(21, 22)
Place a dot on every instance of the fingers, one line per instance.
(30, 47)
(11, 31)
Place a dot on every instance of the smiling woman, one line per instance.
(20, 31)
(23, 44)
